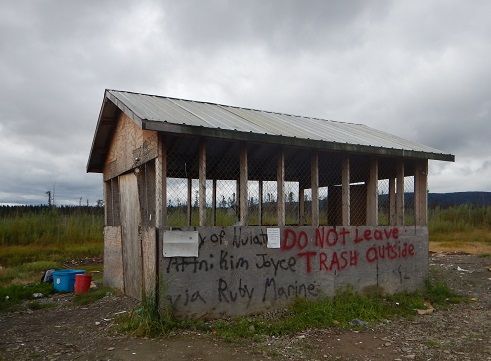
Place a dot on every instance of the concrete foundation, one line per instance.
(237, 274)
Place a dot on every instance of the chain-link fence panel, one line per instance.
(182, 168)
(257, 165)
(409, 219)
(383, 202)
(359, 173)
(329, 194)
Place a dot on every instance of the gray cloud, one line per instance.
(416, 69)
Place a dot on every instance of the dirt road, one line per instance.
(463, 332)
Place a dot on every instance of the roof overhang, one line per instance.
(112, 106)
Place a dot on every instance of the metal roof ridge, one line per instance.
(233, 106)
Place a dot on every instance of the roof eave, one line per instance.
(106, 123)
(282, 140)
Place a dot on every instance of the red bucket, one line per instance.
(82, 283)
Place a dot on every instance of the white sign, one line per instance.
(180, 244)
(273, 237)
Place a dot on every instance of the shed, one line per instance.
(220, 210)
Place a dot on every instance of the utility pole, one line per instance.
(49, 198)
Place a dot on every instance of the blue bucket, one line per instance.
(64, 279)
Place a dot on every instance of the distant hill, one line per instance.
(458, 198)
(447, 199)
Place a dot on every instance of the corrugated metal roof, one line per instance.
(209, 115)
(215, 120)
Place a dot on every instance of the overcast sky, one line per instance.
(417, 69)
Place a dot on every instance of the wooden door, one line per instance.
(131, 235)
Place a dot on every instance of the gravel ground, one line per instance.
(68, 332)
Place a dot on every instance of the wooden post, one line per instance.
(372, 194)
(421, 193)
(280, 180)
(345, 192)
(400, 194)
(243, 186)
(190, 198)
(301, 206)
(260, 203)
(161, 184)
(202, 184)
(237, 198)
(392, 201)
(314, 178)
(108, 206)
(214, 204)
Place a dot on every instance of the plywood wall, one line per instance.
(130, 147)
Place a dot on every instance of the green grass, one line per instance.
(338, 311)
(17, 255)
(91, 296)
(13, 295)
(50, 226)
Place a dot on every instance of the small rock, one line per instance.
(358, 322)
(410, 357)
(387, 344)
(37, 295)
(97, 323)
(110, 348)
(301, 337)
(428, 311)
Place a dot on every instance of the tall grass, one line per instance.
(31, 234)
(459, 218)
(51, 226)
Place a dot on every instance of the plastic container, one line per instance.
(64, 279)
(82, 283)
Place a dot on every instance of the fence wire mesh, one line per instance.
(409, 219)
(383, 202)
(222, 201)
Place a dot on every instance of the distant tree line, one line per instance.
(11, 211)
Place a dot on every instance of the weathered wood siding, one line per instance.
(130, 147)
(113, 258)
(131, 235)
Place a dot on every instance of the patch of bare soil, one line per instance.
(68, 332)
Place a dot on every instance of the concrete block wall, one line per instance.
(237, 274)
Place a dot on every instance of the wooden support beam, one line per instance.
(237, 198)
(108, 206)
(161, 184)
(345, 192)
(260, 203)
(243, 186)
(421, 193)
(314, 176)
(392, 201)
(280, 180)
(214, 204)
(400, 194)
(202, 184)
(301, 206)
(190, 198)
(372, 194)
